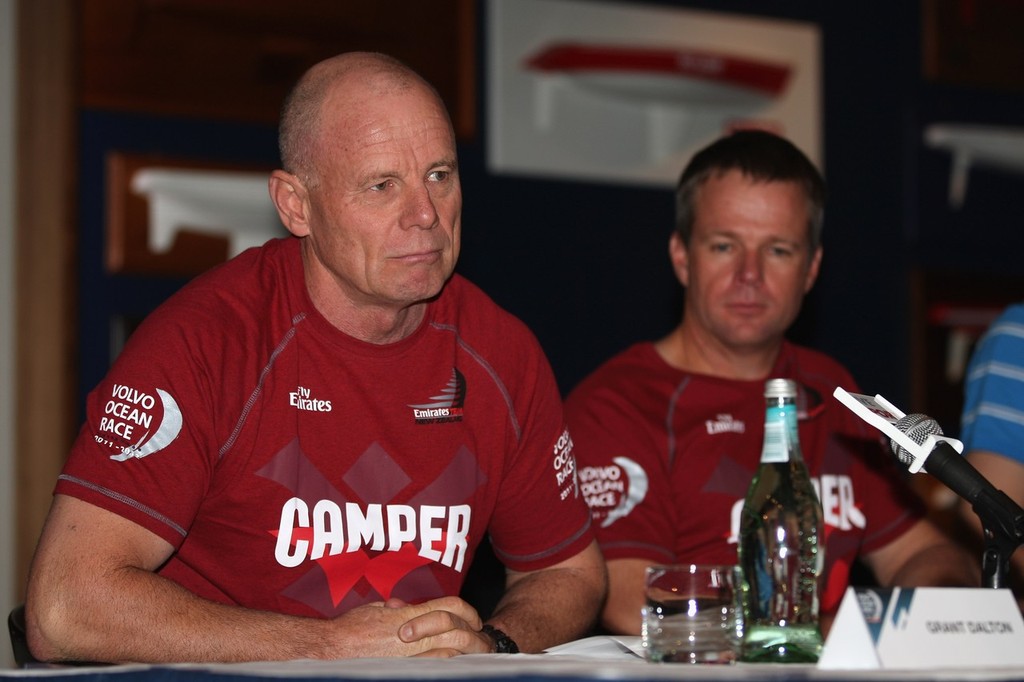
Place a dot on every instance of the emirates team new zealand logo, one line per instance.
(446, 407)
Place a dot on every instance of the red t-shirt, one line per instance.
(666, 458)
(296, 469)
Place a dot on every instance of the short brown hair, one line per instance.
(759, 155)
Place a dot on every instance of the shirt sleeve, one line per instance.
(540, 518)
(993, 414)
(625, 482)
(145, 451)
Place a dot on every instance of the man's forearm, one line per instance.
(941, 565)
(146, 618)
(140, 616)
(550, 607)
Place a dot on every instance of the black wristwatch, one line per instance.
(503, 644)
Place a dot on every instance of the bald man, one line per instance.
(298, 454)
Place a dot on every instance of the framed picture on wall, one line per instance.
(626, 93)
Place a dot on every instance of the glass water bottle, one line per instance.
(781, 551)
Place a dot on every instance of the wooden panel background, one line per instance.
(974, 43)
(236, 59)
(45, 262)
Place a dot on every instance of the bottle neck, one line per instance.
(781, 438)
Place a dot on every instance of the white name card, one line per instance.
(925, 627)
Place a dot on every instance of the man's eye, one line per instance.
(781, 252)
(380, 186)
(439, 175)
(720, 247)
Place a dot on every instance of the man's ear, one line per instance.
(680, 258)
(812, 270)
(289, 197)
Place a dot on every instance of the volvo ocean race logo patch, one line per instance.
(445, 407)
(613, 491)
(137, 423)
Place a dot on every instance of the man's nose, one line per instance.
(751, 267)
(420, 209)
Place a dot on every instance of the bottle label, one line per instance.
(778, 434)
(775, 449)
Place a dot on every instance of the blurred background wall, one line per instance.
(7, 487)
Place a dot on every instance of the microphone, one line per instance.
(944, 463)
(917, 439)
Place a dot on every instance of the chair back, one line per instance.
(19, 641)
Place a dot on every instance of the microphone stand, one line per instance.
(1003, 524)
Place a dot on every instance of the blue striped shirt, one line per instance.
(993, 415)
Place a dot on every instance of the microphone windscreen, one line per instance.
(917, 427)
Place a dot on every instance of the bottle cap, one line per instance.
(780, 388)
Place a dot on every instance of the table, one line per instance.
(595, 659)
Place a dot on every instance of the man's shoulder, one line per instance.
(247, 281)
(1004, 338)
(630, 370)
(228, 303)
(469, 309)
(1013, 314)
(637, 357)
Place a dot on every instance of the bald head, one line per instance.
(349, 75)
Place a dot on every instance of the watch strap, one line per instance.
(503, 644)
